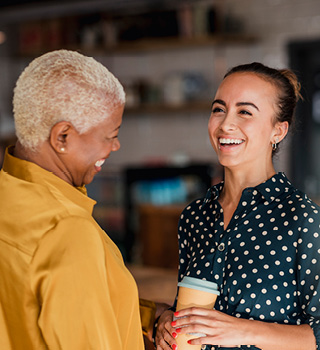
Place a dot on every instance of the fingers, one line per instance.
(164, 338)
(216, 327)
(192, 319)
(194, 311)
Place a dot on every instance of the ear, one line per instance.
(60, 136)
(280, 132)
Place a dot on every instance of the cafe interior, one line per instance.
(170, 57)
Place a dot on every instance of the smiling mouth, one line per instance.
(227, 142)
(99, 163)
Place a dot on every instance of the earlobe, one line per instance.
(59, 136)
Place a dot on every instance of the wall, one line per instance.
(171, 136)
(275, 22)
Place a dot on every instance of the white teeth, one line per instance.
(230, 141)
(100, 162)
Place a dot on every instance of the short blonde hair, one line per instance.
(59, 86)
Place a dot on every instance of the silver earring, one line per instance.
(275, 144)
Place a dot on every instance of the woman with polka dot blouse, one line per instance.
(254, 234)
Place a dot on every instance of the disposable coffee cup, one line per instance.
(194, 292)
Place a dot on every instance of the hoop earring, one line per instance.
(274, 146)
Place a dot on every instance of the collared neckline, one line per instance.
(32, 172)
(269, 189)
(274, 186)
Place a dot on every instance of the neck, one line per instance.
(45, 157)
(235, 182)
(23, 153)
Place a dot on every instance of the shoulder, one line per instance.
(302, 203)
(195, 205)
(202, 206)
(303, 215)
(293, 198)
(71, 239)
(73, 227)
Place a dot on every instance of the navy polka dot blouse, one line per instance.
(267, 261)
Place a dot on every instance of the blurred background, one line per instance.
(170, 56)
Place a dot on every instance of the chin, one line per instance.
(87, 182)
(228, 164)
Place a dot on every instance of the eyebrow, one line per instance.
(221, 102)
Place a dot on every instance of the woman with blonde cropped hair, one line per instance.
(63, 281)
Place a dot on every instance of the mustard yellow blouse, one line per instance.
(63, 284)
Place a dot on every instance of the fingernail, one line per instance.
(176, 313)
(173, 323)
(189, 341)
(174, 346)
(174, 334)
(178, 330)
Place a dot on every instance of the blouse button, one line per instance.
(221, 247)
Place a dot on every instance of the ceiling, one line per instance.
(13, 11)
(22, 10)
(17, 3)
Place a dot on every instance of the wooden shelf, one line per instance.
(157, 44)
(161, 108)
(176, 43)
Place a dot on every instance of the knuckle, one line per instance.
(162, 342)
(192, 318)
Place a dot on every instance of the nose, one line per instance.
(116, 145)
(228, 122)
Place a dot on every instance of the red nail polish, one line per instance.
(174, 334)
(178, 330)
(176, 313)
(174, 346)
(173, 323)
(189, 341)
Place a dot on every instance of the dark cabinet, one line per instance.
(305, 61)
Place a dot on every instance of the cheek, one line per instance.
(261, 136)
(212, 128)
(212, 125)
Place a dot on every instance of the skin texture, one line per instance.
(244, 109)
(72, 156)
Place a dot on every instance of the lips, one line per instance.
(99, 163)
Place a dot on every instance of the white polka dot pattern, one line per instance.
(266, 261)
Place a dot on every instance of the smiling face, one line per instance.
(242, 125)
(87, 152)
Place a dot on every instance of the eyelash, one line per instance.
(245, 112)
(220, 110)
(217, 110)
(111, 138)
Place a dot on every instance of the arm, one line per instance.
(70, 281)
(307, 271)
(222, 329)
(271, 335)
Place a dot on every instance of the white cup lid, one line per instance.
(199, 284)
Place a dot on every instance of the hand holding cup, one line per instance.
(194, 292)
